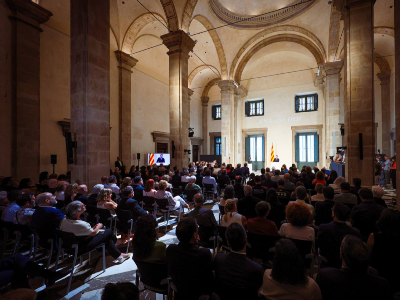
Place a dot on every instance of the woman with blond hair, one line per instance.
(176, 202)
(70, 193)
(104, 200)
(231, 214)
(126, 182)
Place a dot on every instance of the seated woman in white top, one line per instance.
(104, 200)
(89, 237)
(231, 215)
(167, 178)
(299, 216)
(288, 277)
(149, 190)
(176, 202)
(336, 184)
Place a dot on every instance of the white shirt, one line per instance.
(235, 218)
(187, 178)
(210, 180)
(60, 195)
(299, 233)
(77, 227)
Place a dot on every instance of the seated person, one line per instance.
(193, 186)
(24, 214)
(353, 280)
(137, 183)
(251, 181)
(247, 206)
(378, 193)
(4, 202)
(145, 245)
(268, 183)
(336, 184)
(229, 193)
(323, 209)
(231, 215)
(277, 176)
(238, 187)
(81, 196)
(319, 178)
(355, 188)
(259, 191)
(175, 202)
(320, 195)
(149, 190)
(288, 277)
(208, 179)
(92, 199)
(88, 237)
(204, 216)
(60, 192)
(237, 276)
(302, 197)
(120, 290)
(260, 224)
(345, 196)
(299, 217)
(277, 212)
(127, 202)
(11, 209)
(104, 200)
(330, 235)
(288, 186)
(188, 264)
(52, 185)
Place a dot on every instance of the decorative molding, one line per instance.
(252, 22)
(334, 28)
(382, 62)
(126, 61)
(195, 140)
(170, 13)
(227, 85)
(159, 136)
(30, 9)
(178, 41)
(384, 30)
(187, 14)
(66, 125)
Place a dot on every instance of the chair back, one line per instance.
(221, 234)
(124, 216)
(176, 191)
(205, 233)
(104, 214)
(91, 211)
(162, 203)
(304, 247)
(148, 203)
(151, 274)
(190, 194)
(138, 195)
(183, 185)
(260, 245)
(209, 187)
(68, 239)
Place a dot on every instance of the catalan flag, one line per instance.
(272, 153)
(151, 160)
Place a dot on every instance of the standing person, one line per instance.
(246, 173)
(386, 169)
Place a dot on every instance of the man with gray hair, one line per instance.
(112, 180)
(46, 217)
(81, 196)
(192, 185)
(247, 205)
(204, 216)
(92, 199)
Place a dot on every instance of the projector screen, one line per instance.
(158, 158)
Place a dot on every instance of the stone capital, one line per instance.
(190, 92)
(333, 67)
(204, 101)
(384, 77)
(227, 85)
(241, 91)
(319, 80)
(29, 12)
(178, 41)
(125, 60)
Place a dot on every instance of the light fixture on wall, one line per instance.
(187, 151)
(191, 132)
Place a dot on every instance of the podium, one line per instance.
(276, 165)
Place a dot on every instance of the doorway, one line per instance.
(255, 145)
(195, 153)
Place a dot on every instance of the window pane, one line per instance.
(310, 103)
(259, 148)
(310, 146)
(302, 104)
(252, 109)
(253, 148)
(302, 147)
(218, 112)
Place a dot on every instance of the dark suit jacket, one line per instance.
(133, 206)
(45, 220)
(119, 165)
(259, 191)
(190, 268)
(82, 198)
(237, 276)
(345, 284)
(270, 184)
(323, 211)
(247, 206)
(364, 217)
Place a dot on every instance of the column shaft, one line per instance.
(385, 107)
(90, 89)
(397, 85)
(204, 118)
(359, 108)
(227, 120)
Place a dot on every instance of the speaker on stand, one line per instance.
(138, 159)
(53, 161)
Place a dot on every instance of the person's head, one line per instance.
(386, 157)
(104, 179)
(112, 179)
(162, 185)
(25, 183)
(74, 210)
(329, 192)
(43, 176)
(281, 184)
(301, 193)
(277, 172)
(126, 181)
(262, 209)
(82, 189)
(46, 199)
(238, 166)
(145, 236)
(71, 189)
(365, 194)
(377, 191)
(303, 174)
(354, 253)
(116, 170)
(97, 188)
(192, 180)
(238, 180)
(104, 195)
(236, 237)
(138, 180)
(3, 199)
(345, 187)
(298, 214)
(127, 192)
(14, 195)
(25, 201)
(357, 182)
(199, 199)
(338, 181)
(389, 223)
(165, 177)
(319, 188)
(271, 196)
(120, 291)
(320, 175)
(149, 185)
(248, 191)
(333, 175)
(288, 266)
(229, 192)
(187, 231)
(340, 212)
(52, 183)
(257, 179)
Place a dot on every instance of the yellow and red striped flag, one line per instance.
(272, 153)
(151, 160)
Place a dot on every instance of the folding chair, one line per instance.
(176, 191)
(190, 195)
(104, 216)
(260, 245)
(209, 191)
(148, 203)
(165, 208)
(306, 249)
(154, 277)
(125, 221)
(222, 243)
(208, 237)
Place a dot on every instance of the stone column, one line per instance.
(359, 80)
(187, 123)
(332, 107)
(179, 45)
(204, 119)
(126, 63)
(90, 89)
(227, 119)
(384, 77)
(240, 93)
(397, 85)
(26, 18)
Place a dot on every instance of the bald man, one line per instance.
(81, 196)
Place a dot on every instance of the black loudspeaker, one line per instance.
(138, 156)
(53, 159)
(360, 142)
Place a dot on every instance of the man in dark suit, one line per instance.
(160, 159)
(118, 163)
(354, 280)
(323, 209)
(283, 195)
(247, 205)
(268, 183)
(128, 203)
(259, 191)
(237, 276)
(330, 235)
(189, 266)
(364, 215)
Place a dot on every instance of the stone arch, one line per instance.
(144, 35)
(276, 29)
(115, 36)
(187, 14)
(217, 43)
(382, 62)
(384, 30)
(135, 27)
(315, 51)
(198, 69)
(170, 14)
(209, 85)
